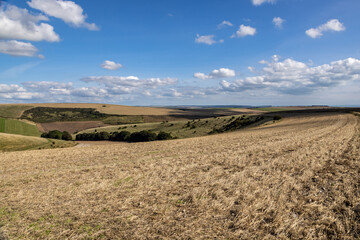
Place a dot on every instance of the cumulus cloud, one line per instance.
(333, 25)
(5, 88)
(293, 77)
(217, 73)
(130, 83)
(278, 22)
(17, 23)
(110, 65)
(244, 31)
(16, 48)
(87, 92)
(16, 92)
(207, 39)
(48, 86)
(225, 24)
(259, 2)
(68, 11)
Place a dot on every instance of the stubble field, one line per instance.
(295, 179)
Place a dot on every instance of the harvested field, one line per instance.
(70, 127)
(296, 179)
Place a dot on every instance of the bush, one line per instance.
(66, 136)
(143, 136)
(277, 117)
(56, 134)
(120, 136)
(164, 136)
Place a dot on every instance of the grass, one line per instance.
(10, 142)
(18, 127)
(12, 111)
(178, 129)
(295, 179)
(117, 120)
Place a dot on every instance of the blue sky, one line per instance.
(137, 52)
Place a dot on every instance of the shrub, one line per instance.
(277, 117)
(120, 136)
(55, 134)
(164, 136)
(66, 136)
(143, 136)
(104, 136)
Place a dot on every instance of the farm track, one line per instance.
(295, 179)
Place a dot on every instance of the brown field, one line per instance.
(295, 179)
(70, 127)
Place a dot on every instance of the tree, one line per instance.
(66, 136)
(164, 136)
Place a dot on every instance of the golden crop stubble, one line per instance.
(287, 180)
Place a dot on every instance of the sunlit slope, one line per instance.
(296, 179)
(13, 126)
(10, 142)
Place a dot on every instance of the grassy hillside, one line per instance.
(180, 129)
(18, 127)
(11, 142)
(12, 110)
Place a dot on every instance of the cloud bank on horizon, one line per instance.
(221, 64)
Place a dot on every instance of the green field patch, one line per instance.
(13, 126)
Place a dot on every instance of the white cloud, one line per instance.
(17, 92)
(16, 48)
(22, 96)
(86, 92)
(244, 31)
(130, 81)
(225, 24)
(206, 39)
(278, 22)
(293, 77)
(217, 73)
(333, 25)
(5, 88)
(259, 2)
(68, 11)
(110, 65)
(17, 23)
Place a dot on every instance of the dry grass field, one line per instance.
(12, 142)
(296, 179)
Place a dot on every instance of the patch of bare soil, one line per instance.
(70, 127)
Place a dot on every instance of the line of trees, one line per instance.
(124, 136)
(56, 134)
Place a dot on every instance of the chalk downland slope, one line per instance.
(21, 127)
(296, 179)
